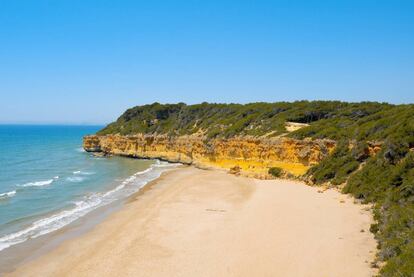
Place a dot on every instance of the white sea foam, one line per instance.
(75, 179)
(79, 172)
(39, 183)
(51, 223)
(108, 193)
(144, 171)
(167, 165)
(7, 194)
(159, 163)
(56, 221)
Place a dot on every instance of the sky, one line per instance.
(85, 62)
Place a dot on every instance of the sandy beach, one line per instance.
(193, 222)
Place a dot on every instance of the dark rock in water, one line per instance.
(101, 154)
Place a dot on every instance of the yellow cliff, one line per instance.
(250, 156)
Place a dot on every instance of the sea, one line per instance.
(48, 181)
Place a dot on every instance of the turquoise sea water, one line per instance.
(47, 181)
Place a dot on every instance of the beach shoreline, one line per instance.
(21, 253)
(193, 222)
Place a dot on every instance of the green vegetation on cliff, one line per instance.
(275, 171)
(226, 120)
(385, 179)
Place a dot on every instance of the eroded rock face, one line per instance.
(254, 156)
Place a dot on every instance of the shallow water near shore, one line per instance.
(47, 181)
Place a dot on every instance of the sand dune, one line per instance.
(193, 222)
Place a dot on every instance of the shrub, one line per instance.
(275, 171)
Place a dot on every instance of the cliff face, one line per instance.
(253, 156)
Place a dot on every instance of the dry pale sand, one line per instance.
(194, 222)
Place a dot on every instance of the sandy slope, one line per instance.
(208, 223)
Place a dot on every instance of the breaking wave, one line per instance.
(80, 208)
(75, 179)
(6, 195)
(40, 183)
(80, 172)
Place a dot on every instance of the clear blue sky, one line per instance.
(83, 61)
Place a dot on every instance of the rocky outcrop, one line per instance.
(254, 156)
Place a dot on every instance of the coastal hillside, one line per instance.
(365, 149)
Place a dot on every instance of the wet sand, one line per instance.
(193, 222)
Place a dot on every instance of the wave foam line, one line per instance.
(75, 179)
(89, 203)
(7, 194)
(40, 183)
(79, 172)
